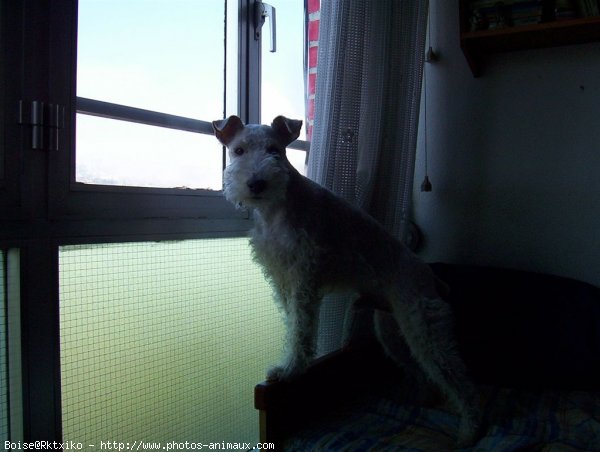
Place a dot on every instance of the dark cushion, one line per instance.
(524, 329)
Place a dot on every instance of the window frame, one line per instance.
(11, 206)
(71, 199)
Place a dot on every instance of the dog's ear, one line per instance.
(287, 129)
(226, 129)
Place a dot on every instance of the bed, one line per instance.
(531, 342)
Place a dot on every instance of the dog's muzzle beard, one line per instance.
(262, 185)
(246, 192)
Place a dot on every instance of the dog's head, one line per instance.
(258, 168)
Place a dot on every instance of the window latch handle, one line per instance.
(261, 12)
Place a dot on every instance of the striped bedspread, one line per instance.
(513, 420)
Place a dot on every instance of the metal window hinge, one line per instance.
(45, 120)
(261, 12)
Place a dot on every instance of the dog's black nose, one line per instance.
(257, 186)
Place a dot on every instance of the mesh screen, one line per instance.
(164, 341)
(3, 354)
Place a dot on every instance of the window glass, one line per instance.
(166, 56)
(283, 71)
(160, 55)
(297, 159)
(113, 152)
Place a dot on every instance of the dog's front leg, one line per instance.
(302, 317)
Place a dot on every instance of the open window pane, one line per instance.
(160, 55)
(164, 341)
(113, 152)
(283, 71)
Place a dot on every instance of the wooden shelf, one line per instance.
(477, 45)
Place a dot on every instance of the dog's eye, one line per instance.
(273, 150)
(239, 151)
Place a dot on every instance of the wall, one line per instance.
(514, 157)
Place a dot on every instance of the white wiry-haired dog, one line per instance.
(311, 242)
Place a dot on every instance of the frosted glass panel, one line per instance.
(3, 355)
(113, 152)
(164, 341)
(11, 396)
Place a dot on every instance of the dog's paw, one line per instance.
(285, 372)
(275, 373)
(469, 429)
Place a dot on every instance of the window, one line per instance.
(167, 61)
(143, 139)
(283, 72)
(123, 222)
(167, 66)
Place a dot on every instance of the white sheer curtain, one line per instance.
(369, 75)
